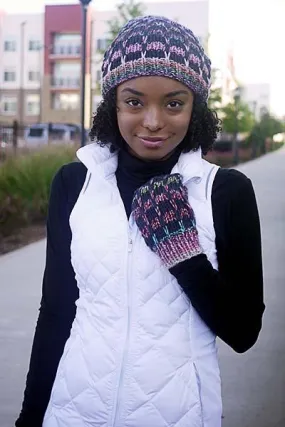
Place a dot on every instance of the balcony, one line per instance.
(65, 83)
(66, 51)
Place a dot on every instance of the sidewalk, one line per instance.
(20, 282)
(253, 384)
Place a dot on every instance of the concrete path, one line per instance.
(253, 384)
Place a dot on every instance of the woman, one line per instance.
(164, 246)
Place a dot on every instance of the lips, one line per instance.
(152, 142)
(147, 143)
(153, 138)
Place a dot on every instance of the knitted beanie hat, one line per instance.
(157, 46)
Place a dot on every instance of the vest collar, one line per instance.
(190, 166)
(99, 159)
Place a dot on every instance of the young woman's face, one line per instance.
(153, 115)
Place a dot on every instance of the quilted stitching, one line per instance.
(159, 386)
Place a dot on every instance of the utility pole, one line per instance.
(84, 7)
(237, 94)
(22, 75)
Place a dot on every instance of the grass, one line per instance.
(25, 184)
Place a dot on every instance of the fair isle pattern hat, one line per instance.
(157, 46)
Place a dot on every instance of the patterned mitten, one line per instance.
(166, 220)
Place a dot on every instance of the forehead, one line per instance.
(153, 85)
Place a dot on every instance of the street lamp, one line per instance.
(22, 74)
(84, 6)
(237, 95)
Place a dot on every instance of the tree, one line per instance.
(237, 117)
(266, 127)
(269, 125)
(126, 10)
(215, 97)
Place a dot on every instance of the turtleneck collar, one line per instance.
(141, 171)
(106, 164)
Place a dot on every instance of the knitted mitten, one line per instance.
(166, 220)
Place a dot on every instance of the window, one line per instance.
(65, 101)
(9, 46)
(67, 69)
(9, 76)
(9, 105)
(67, 44)
(66, 74)
(36, 132)
(102, 44)
(65, 82)
(67, 38)
(67, 50)
(34, 45)
(33, 105)
(34, 76)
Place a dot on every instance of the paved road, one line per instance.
(253, 384)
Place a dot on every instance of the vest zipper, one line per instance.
(127, 339)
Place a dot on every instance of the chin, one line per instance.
(150, 154)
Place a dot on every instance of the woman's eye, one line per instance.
(175, 104)
(133, 103)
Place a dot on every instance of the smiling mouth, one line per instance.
(152, 142)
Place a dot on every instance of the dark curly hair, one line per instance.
(202, 132)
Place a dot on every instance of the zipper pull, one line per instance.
(130, 245)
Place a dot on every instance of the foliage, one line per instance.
(215, 97)
(126, 10)
(237, 117)
(265, 128)
(269, 125)
(25, 183)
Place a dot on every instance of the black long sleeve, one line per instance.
(59, 293)
(230, 300)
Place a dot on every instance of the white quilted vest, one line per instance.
(138, 355)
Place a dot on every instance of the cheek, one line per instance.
(127, 123)
(181, 124)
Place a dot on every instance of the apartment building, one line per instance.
(21, 67)
(62, 65)
(40, 75)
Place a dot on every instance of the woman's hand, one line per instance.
(166, 220)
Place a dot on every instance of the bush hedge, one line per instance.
(25, 185)
(25, 182)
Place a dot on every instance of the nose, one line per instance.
(153, 119)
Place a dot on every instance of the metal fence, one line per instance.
(16, 139)
(10, 136)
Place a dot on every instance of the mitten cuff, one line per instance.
(178, 248)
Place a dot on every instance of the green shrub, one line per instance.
(25, 185)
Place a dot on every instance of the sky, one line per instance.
(255, 29)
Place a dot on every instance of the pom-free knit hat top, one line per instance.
(157, 46)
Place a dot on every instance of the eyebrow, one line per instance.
(176, 93)
(133, 91)
(168, 95)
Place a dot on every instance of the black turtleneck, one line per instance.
(230, 300)
(133, 172)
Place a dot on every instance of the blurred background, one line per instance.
(50, 84)
(41, 83)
